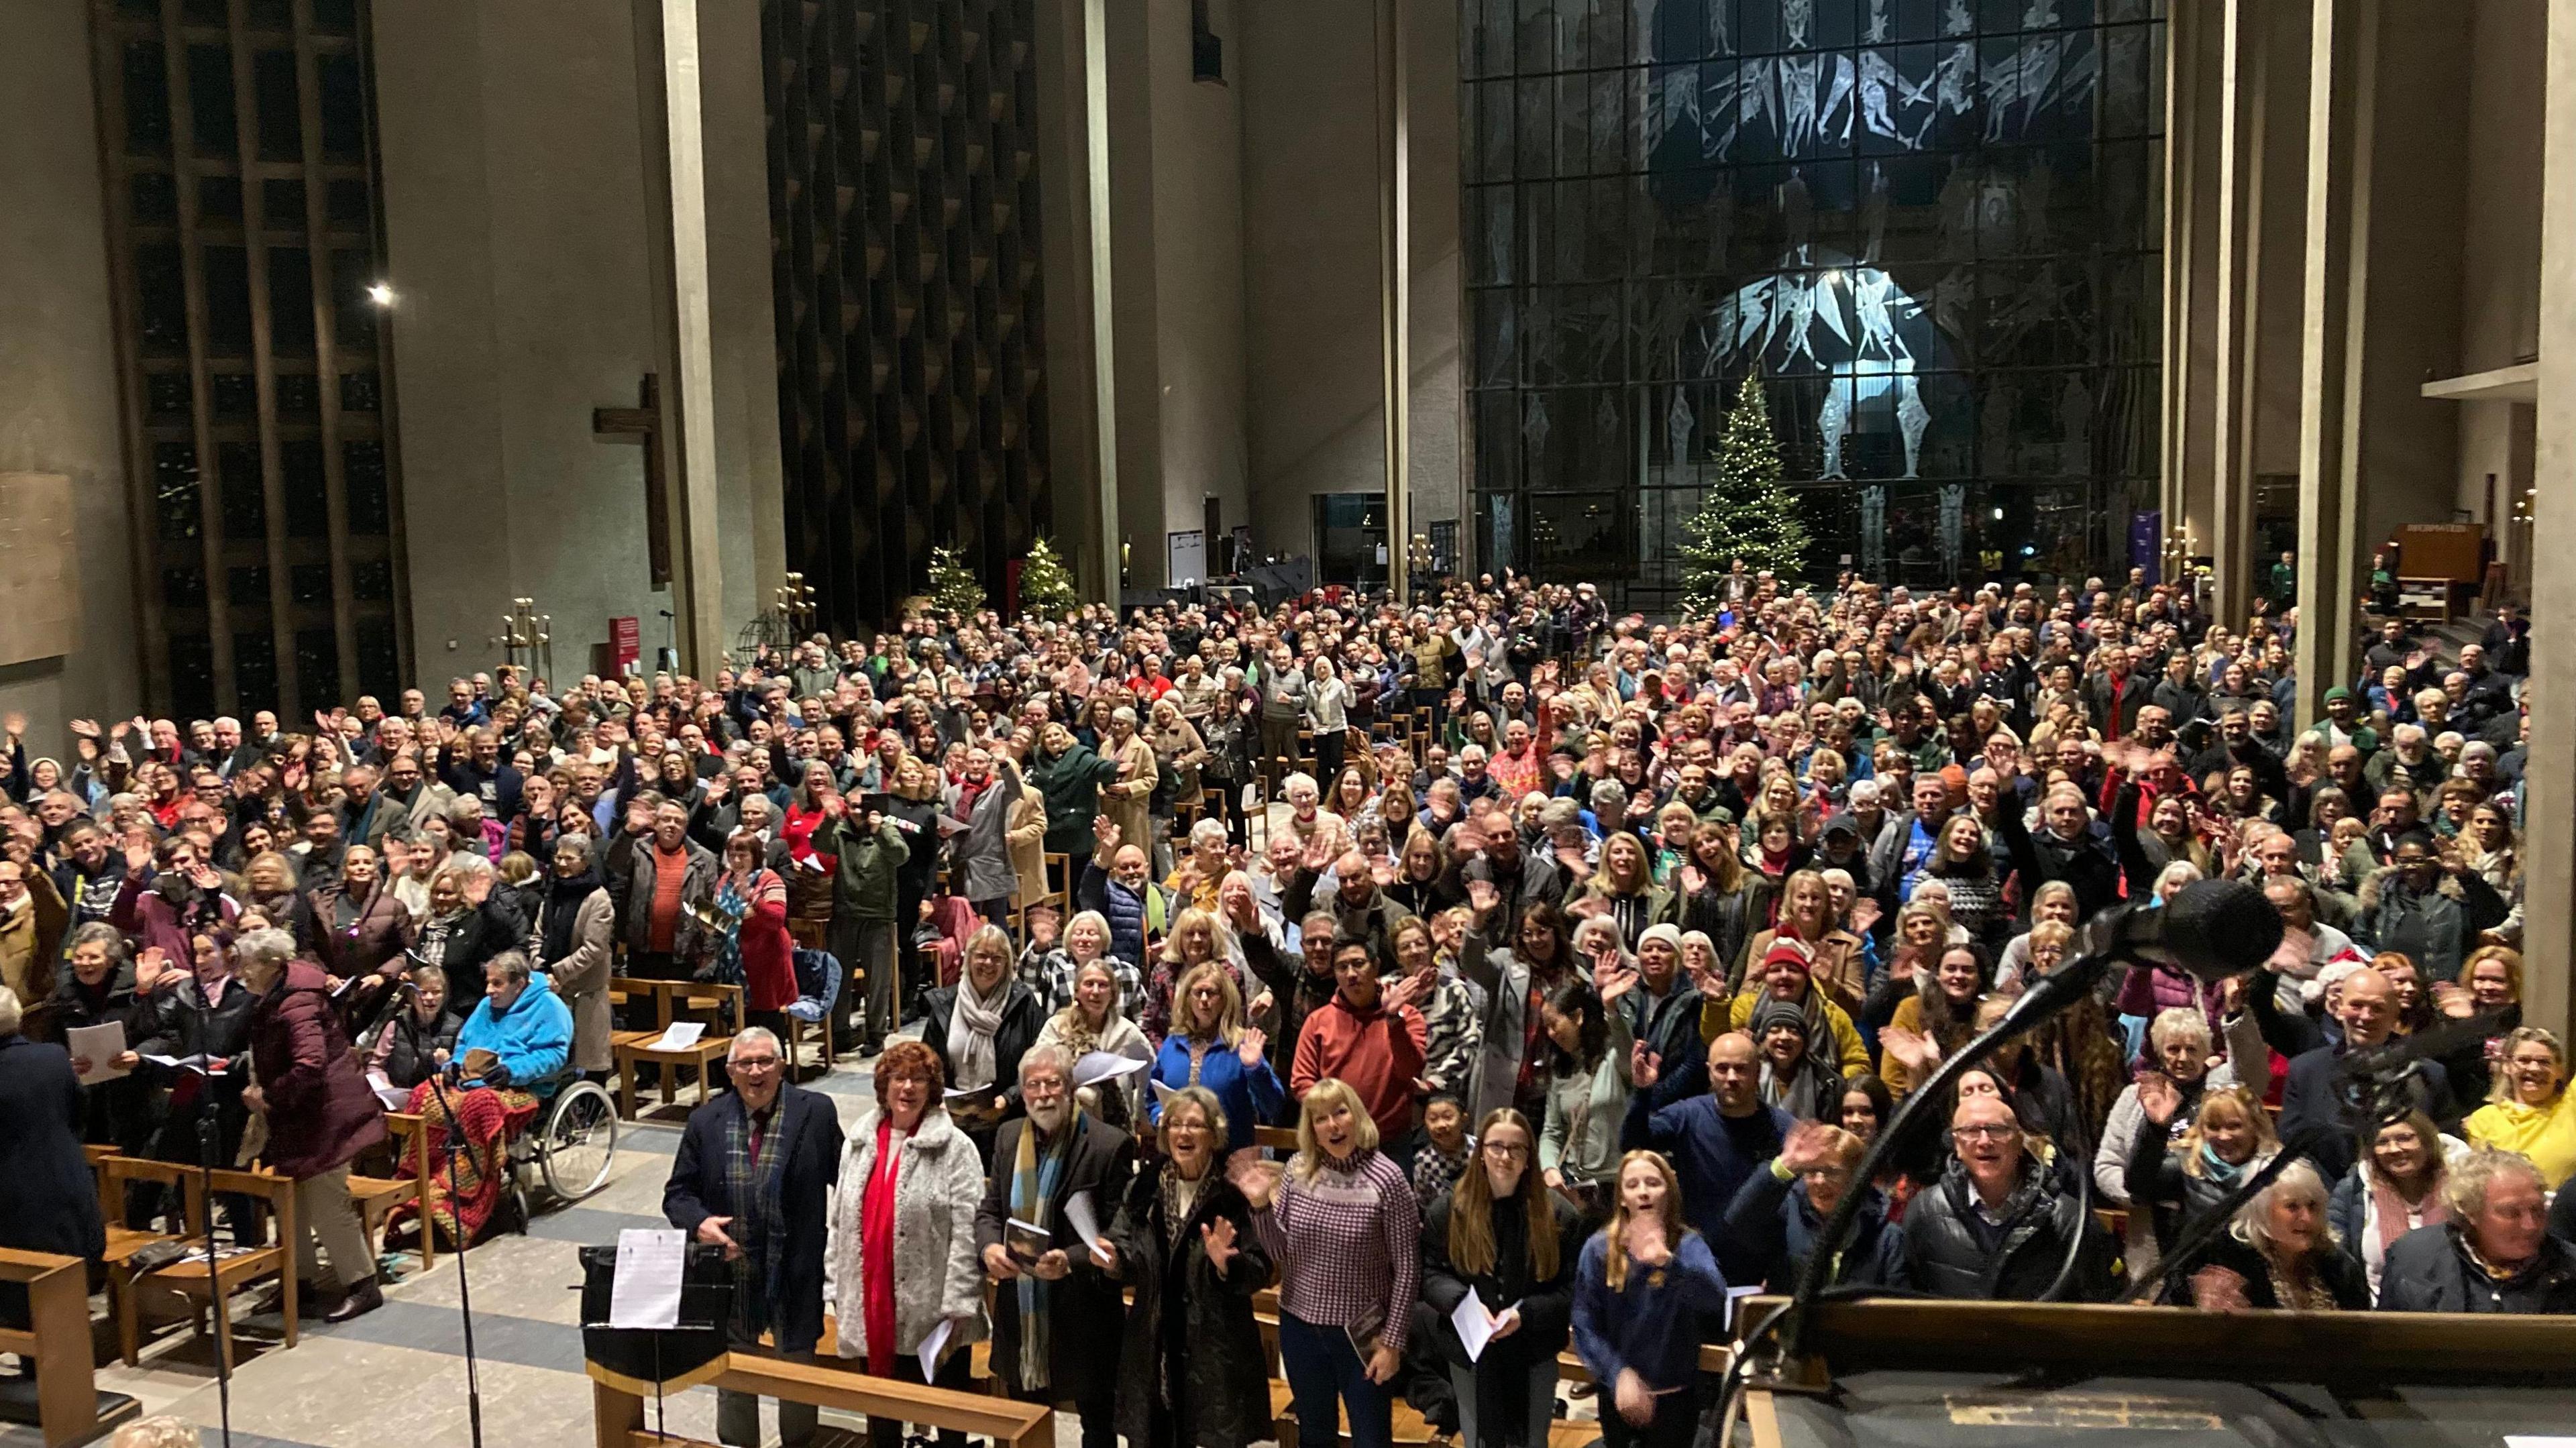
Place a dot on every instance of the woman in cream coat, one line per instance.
(896, 1270)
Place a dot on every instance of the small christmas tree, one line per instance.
(1745, 513)
(1046, 585)
(953, 584)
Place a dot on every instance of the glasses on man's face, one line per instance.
(1042, 1086)
(754, 1063)
(1984, 1133)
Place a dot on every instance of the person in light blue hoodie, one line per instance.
(521, 1021)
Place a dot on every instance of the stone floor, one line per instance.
(396, 1377)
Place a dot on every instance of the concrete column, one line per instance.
(1395, 289)
(676, 187)
(2190, 403)
(2241, 73)
(2343, 65)
(2549, 847)
(1093, 62)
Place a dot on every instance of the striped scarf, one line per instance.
(1033, 1183)
(760, 1220)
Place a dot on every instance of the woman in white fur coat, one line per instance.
(901, 1269)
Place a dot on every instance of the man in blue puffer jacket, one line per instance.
(520, 1020)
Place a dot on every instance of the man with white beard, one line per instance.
(1055, 1313)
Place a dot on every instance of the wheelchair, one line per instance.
(569, 1150)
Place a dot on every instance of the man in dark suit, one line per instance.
(754, 1176)
(1054, 1318)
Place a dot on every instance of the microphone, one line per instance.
(2211, 929)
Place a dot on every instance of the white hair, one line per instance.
(754, 1036)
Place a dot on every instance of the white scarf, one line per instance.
(971, 1027)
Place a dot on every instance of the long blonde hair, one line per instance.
(1615, 1232)
(2267, 1142)
(1471, 1207)
(1319, 1098)
(1229, 1021)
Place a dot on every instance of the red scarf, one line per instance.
(876, 1250)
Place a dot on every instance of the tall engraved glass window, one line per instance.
(1931, 226)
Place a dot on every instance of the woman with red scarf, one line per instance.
(809, 871)
(902, 1265)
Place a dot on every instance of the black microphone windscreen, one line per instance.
(2219, 928)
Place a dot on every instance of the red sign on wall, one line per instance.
(625, 643)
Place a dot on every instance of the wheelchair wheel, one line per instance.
(578, 1142)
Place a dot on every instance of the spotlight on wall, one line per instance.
(381, 294)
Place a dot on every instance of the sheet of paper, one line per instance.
(1097, 1066)
(1163, 1093)
(101, 1045)
(930, 1350)
(645, 1293)
(2539, 1440)
(679, 1035)
(1085, 1221)
(1475, 1325)
(394, 1097)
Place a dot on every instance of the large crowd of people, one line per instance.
(1586, 956)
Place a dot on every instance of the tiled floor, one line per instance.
(396, 1377)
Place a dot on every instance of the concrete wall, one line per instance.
(1311, 260)
(2500, 264)
(2280, 322)
(2409, 444)
(58, 374)
(1197, 241)
(517, 224)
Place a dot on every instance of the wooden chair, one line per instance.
(636, 1048)
(672, 998)
(114, 1172)
(1279, 1138)
(376, 1197)
(190, 1277)
(69, 1407)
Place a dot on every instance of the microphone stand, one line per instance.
(209, 1139)
(2048, 995)
(455, 1129)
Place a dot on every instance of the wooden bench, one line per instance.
(1277, 1138)
(617, 1402)
(69, 1407)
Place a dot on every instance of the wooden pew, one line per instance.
(68, 1407)
(189, 1276)
(617, 1402)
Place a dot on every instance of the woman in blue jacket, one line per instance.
(528, 1030)
(1210, 1046)
(1644, 1285)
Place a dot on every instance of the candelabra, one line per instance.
(794, 601)
(527, 637)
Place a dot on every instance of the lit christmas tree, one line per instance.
(1046, 585)
(954, 587)
(1744, 512)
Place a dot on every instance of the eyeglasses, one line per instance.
(1987, 1132)
(1509, 1150)
(753, 1063)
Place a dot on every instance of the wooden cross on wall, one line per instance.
(644, 423)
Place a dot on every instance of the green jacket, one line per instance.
(864, 887)
(1070, 784)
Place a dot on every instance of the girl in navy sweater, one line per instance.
(1639, 1294)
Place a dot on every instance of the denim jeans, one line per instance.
(1324, 1373)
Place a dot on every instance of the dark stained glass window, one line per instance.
(1930, 227)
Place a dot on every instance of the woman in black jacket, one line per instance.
(2278, 1253)
(980, 1027)
(2231, 1137)
(1192, 1371)
(1511, 1244)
